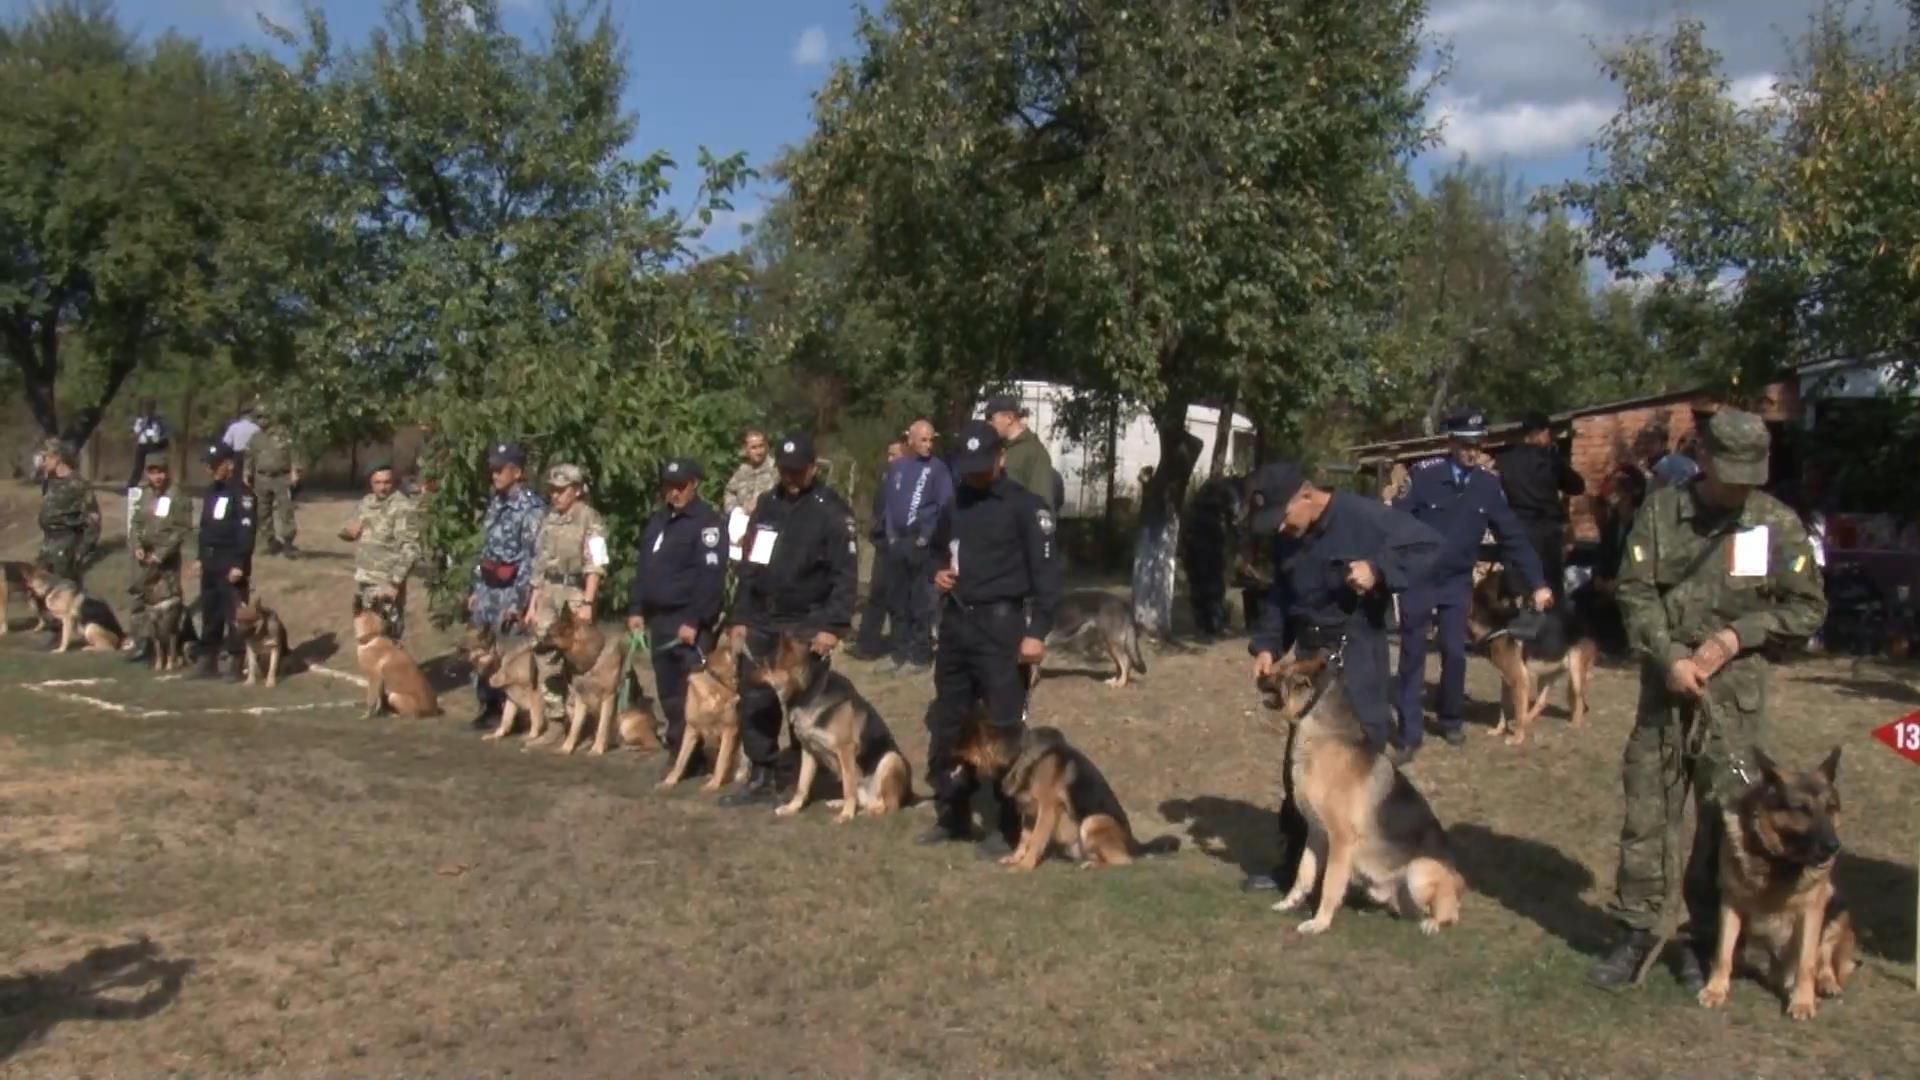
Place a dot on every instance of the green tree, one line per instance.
(128, 187)
(476, 249)
(1162, 202)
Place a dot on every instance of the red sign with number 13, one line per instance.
(1903, 736)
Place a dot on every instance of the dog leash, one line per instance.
(636, 644)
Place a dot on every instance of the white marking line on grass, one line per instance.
(74, 682)
(94, 702)
(137, 713)
(332, 673)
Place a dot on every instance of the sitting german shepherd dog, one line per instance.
(1563, 645)
(1366, 823)
(1064, 800)
(839, 729)
(82, 618)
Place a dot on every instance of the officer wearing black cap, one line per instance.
(798, 574)
(1461, 501)
(1538, 482)
(997, 566)
(1337, 560)
(226, 554)
(679, 582)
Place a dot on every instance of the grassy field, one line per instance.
(196, 887)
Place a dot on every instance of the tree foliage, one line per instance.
(476, 249)
(1164, 202)
(130, 192)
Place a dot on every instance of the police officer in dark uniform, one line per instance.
(1205, 537)
(1460, 500)
(679, 583)
(1537, 481)
(226, 555)
(798, 574)
(997, 566)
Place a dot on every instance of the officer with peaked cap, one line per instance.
(679, 584)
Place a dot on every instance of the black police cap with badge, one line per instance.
(677, 471)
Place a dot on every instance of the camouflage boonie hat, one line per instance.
(59, 449)
(562, 476)
(1737, 447)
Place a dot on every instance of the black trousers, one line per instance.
(872, 639)
(1251, 603)
(759, 708)
(219, 599)
(1549, 541)
(978, 662)
(910, 602)
(1207, 585)
(673, 663)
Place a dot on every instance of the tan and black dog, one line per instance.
(394, 681)
(713, 718)
(514, 674)
(171, 630)
(1782, 837)
(1366, 823)
(596, 665)
(263, 638)
(1065, 801)
(17, 577)
(1564, 647)
(84, 618)
(1106, 619)
(838, 728)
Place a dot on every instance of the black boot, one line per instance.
(288, 551)
(141, 653)
(1617, 969)
(239, 672)
(953, 824)
(758, 789)
(1690, 971)
(208, 666)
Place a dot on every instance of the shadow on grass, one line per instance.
(1869, 688)
(1230, 830)
(1535, 881)
(115, 982)
(1880, 895)
(317, 650)
(447, 673)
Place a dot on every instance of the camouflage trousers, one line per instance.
(387, 601)
(1668, 760)
(273, 497)
(61, 555)
(549, 601)
(152, 588)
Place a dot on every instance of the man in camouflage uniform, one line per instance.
(755, 477)
(160, 528)
(387, 530)
(503, 573)
(273, 471)
(1715, 575)
(569, 559)
(69, 517)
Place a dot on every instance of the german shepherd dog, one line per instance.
(394, 681)
(81, 617)
(1776, 885)
(597, 665)
(1366, 823)
(838, 728)
(171, 630)
(263, 638)
(18, 577)
(515, 674)
(1064, 800)
(1108, 619)
(1528, 669)
(713, 718)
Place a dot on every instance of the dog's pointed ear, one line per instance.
(1830, 768)
(1768, 769)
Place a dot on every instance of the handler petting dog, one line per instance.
(1338, 559)
(1715, 572)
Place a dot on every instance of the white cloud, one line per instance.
(811, 49)
(1753, 90)
(1521, 129)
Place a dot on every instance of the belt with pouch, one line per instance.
(578, 581)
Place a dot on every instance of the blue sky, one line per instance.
(1524, 90)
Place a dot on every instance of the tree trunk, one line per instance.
(1112, 546)
(1223, 433)
(186, 427)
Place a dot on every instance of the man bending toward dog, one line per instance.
(1338, 558)
(997, 566)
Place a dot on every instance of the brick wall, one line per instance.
(1604, 441)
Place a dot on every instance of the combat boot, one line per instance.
(757, 791)
(1692, 973)
(288, 551)
(1616, 970)
(953, 824)
(207, 667)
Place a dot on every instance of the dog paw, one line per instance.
(1315, 925)
(835, 804)
(1515, 739)
(1288, 902)
(787, 810)
(1826, 985)
(1429, 927)
(1803, 1008)
(664, 785)
(1711, 996)
(492, 736)
(843, 817)
(597, 750)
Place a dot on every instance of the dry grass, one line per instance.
(320, 893)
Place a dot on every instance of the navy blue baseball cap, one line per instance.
(1272, 488)
(794, 451)
(976, 448)
(679, 471)
(219, 452)
(502, 455)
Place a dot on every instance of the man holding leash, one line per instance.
(1338, 558)
(160, 527)
(227, 525)
(69, 516)
(679, 582)
(503, 574)
(798, 577)
(1461, 501)
(997, 566)
(570, 560)
(1715, 576)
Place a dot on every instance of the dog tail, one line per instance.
(1160, 845)
(1133, 647)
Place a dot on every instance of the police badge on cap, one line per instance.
(710, 537)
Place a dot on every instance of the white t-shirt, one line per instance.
(240, 433)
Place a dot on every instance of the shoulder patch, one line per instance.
(1045, 519)
(710, 537)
